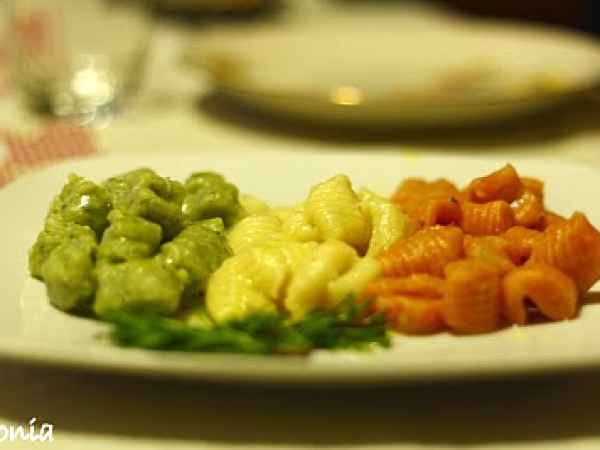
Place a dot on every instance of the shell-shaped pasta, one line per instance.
(503, 184)
(388, 223)
(254, 281)
(253, 231)
(296, 252)
(275, 265)
(417, 187)
(481, 219)
(333, 207)
(427, 251)
(554, 293)
(412, 315)
(253, 205)
(354, 281)
(534, 185)
(520, 242)
(572, 247)
(231, 293)
(419, 285)
(528, 209)
(443, 211)
(492, 249)
(550, 218)
(296, 226)
(268, 270)
(413, 193)
(307, 290)
(472, 298)
(483, 246)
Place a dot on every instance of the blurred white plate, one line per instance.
(32, 331)
(385, 72)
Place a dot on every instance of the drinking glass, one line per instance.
(79, 59)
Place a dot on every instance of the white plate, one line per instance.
(384, 72)
(32, 331)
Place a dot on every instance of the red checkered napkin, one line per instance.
(20, 154)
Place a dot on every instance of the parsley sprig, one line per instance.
(348, 327)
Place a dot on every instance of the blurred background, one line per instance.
(579, 14)
(504, 80)
(458, 76)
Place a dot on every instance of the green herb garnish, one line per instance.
(348, 327)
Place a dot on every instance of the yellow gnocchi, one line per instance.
(255, 230)
(253, 281)
(334, 208)
(310, 256)
(291, 277)
(388, 222)
(295, 224)
(308, 288)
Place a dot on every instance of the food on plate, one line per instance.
(197, 266)
(209, 195)
(128, 245)
(507, 256)
(147, 250)
(427, 251)
(307, 257)
(550, 290)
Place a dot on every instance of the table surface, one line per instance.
(177, 113)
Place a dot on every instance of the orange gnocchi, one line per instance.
(485, 256)
(427, 251)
